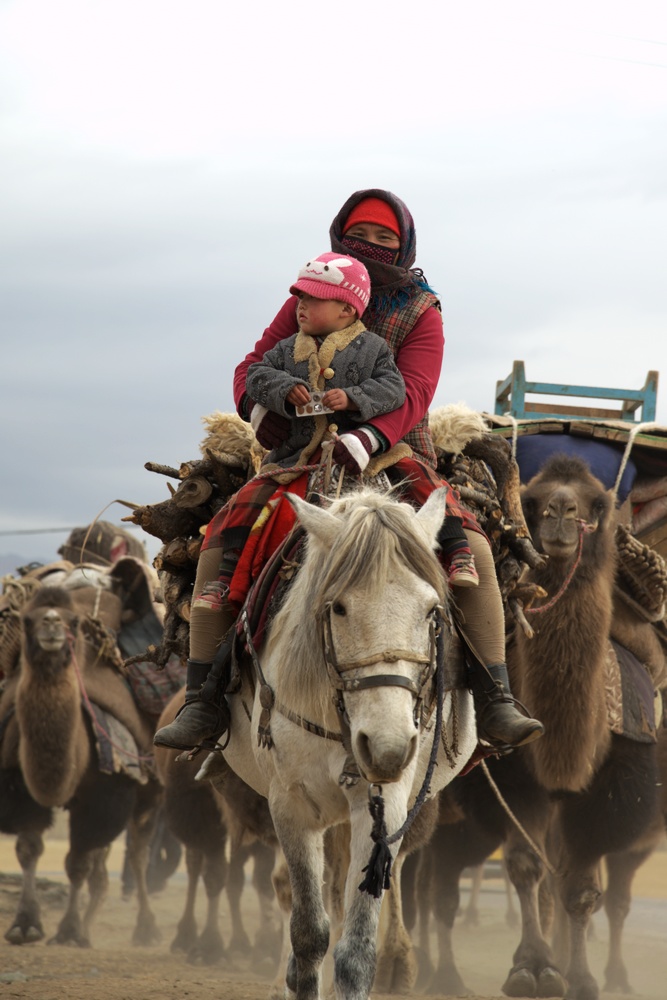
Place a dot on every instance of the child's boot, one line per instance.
(461, 571)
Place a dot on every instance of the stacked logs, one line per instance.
(642, 575)
(482, 472)
(486, 478)
(204, 487)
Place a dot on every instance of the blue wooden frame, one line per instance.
(511, 398)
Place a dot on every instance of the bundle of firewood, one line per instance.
(641, 574)
(476, 463)
(231, 455)
(480, 467)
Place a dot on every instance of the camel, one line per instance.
(55, 707)
(588, 792)
(204, 816)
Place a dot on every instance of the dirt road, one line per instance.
(113, 970)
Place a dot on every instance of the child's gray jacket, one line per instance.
(353, 359)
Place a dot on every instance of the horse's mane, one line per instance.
(379, 533)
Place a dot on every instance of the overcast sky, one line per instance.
(167, 167)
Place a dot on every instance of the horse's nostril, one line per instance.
(364, 751)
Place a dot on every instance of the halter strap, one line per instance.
(343, 684)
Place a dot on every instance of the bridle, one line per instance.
(342, 684)
(433, 671)
(432, 664)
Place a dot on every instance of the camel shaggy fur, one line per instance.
(49, 759)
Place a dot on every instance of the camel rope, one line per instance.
(522, 830)
(584, 529)
(515, 432)
(637, 429)
(100, 728)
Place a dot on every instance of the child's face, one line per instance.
(319, 316)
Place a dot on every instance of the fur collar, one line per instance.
(305, 349)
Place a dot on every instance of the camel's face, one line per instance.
(562, 501)
(48, 628)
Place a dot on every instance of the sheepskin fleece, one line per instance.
(230, 437)
(454, 425)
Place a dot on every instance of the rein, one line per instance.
(378, 869)
(584, 529)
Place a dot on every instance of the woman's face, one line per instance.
(373, 233)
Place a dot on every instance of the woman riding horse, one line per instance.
(375, 227)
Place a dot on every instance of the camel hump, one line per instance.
(567, 468)
(111, 692)
(50, 597)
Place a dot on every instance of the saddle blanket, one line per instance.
(153, 688)
(634, 708)
(117, 750)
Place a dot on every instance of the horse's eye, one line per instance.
(338, 609)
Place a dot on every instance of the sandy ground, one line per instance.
(114, 970)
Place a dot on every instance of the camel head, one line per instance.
(49, 624)
(563, 500)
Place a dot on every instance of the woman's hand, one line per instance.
(298, 396)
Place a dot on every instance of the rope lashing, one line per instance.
(637, 429)
(584, 529)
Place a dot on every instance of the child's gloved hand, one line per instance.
(353, 451)
(270, 428)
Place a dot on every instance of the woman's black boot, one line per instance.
(204, 717)
(499, 721)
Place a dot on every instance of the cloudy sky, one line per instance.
(167, 166)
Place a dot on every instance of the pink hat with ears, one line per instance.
(332, 276)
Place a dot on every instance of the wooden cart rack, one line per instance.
(636, 405)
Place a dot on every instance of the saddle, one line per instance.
(634, 708)
(268, 591)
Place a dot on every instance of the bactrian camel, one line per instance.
(588, 792)
(49, 759)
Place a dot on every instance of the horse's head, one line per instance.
(375, 587)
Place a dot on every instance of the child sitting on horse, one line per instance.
(354, 376)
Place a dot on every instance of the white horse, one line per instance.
(349, 673)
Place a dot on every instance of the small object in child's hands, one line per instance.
(314, 407)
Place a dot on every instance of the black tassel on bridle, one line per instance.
(378, 869)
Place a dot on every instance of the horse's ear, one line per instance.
(317, 522)
(432, 514)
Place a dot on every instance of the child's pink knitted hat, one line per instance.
(331, 276)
